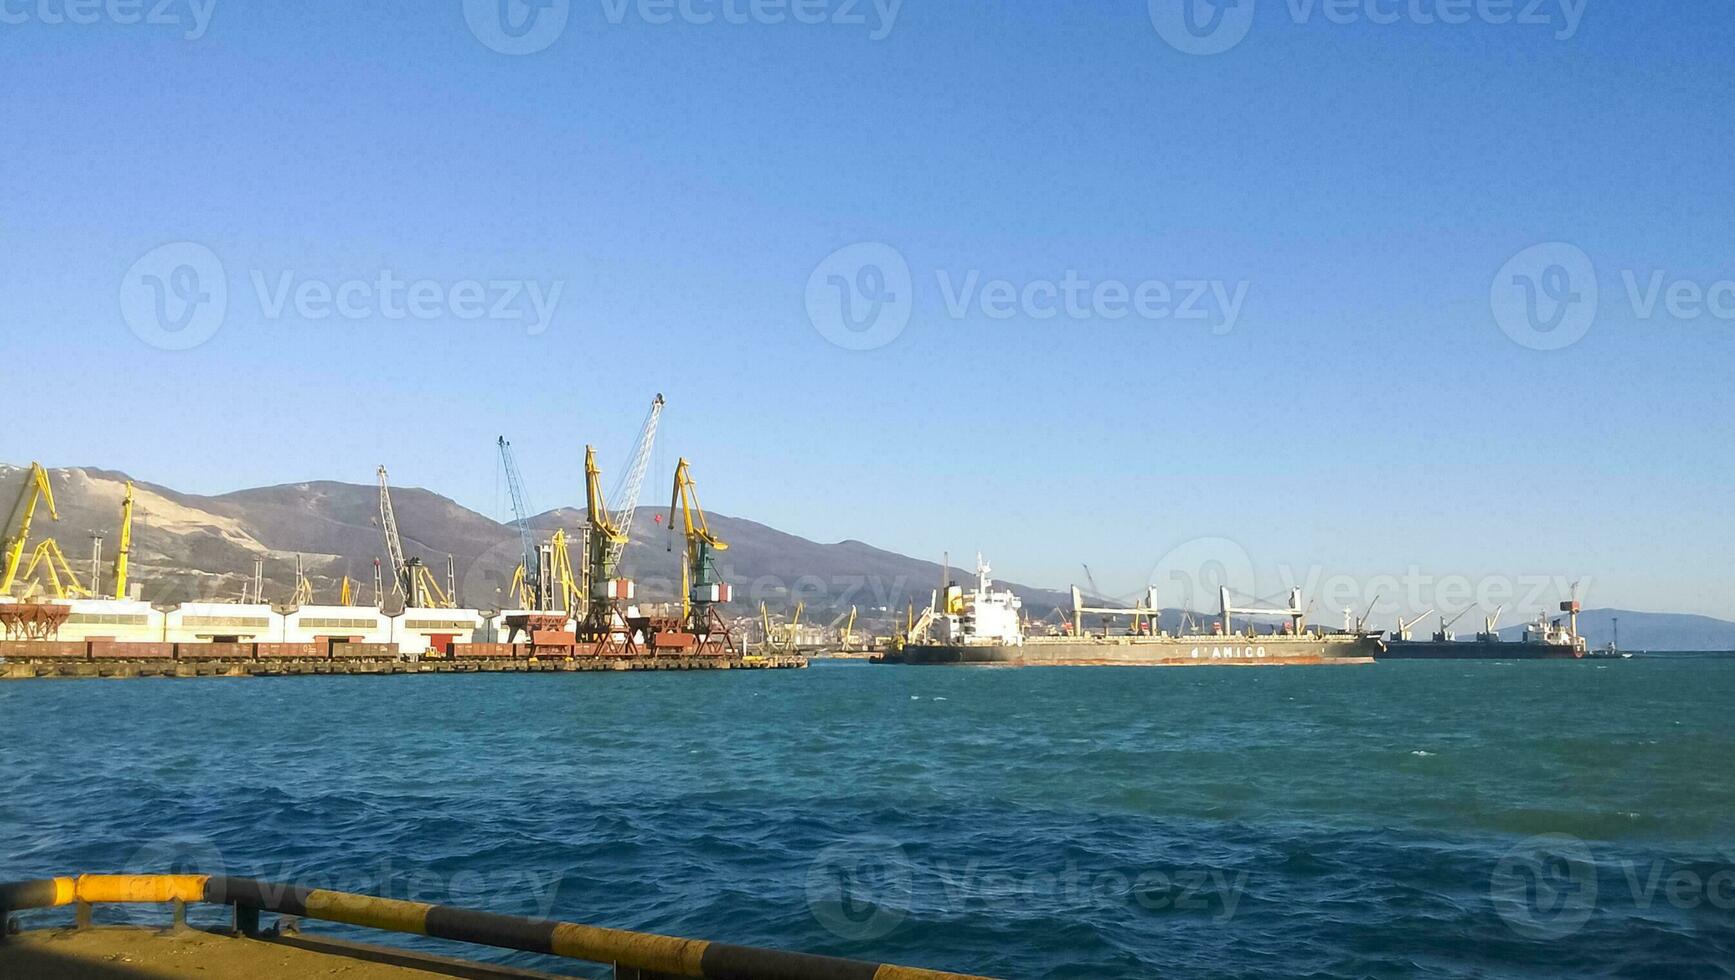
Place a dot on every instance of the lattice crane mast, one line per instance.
(625, 500)
(529, 580)
(402, 580)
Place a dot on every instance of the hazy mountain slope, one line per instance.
(187, 546)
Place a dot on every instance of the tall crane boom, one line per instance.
(625, 499)
(36, 490)
(126, 544)
(394, 544)
(521, 517)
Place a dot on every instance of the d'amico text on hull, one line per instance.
(983, 626)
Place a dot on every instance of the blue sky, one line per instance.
(1365, 184)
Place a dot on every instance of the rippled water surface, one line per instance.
(1405, 818)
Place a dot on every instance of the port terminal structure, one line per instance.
(54, 624)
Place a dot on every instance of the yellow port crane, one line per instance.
(605, 592)
(126, 544)
(346, 594)
(56, 571)
(702, 588)
(564, 580)
(36, 490)
(303, 594)
(786, 642)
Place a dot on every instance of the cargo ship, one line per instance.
(984, 626)
(1543, 639)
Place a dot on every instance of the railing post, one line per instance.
(246, 921)
(179, 919)
(6, 924)
(81, 915)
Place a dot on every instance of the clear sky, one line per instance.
(1356, 187)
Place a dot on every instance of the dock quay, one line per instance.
(30, 669)
(33, 659)
(243, 948)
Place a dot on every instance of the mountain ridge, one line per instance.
(188, 546)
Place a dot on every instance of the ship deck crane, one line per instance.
(1361, 625)
(1446, 635)
(1139, 612)
(1489, 634)
(1403, 630)
(1295, 612)
(702, 588)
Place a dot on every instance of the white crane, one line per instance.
(625, 499)
(1403, 630)
(394, 544)
(1489, 634)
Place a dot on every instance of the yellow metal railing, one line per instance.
(660, 955)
